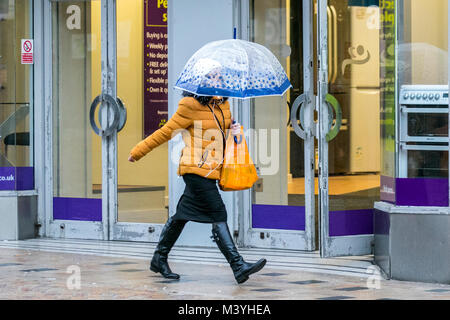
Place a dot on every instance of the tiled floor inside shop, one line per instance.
(81, 269)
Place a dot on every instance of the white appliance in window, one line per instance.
(423, 131)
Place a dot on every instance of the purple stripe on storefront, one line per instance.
(422, 192)
(278, 217)
(25, 178)
(351, 222)
(82, 209)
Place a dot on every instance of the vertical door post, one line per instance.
(308, 89)
(109, 154)
(322, 90)
(448, 58)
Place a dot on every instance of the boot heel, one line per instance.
(154, 269)
(241, 279)
(154, 266)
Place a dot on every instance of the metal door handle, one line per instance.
(122, 115)
(333, 104)
(330, 45)
(116, 111)
(298, 104)
(335, 44)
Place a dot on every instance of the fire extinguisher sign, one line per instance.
(27, 56)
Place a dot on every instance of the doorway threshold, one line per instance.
(355, 266)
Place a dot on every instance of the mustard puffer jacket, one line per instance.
(203, 151)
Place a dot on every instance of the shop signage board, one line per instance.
(27, 48)
(155, 65)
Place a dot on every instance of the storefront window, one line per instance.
(423, 79)
(418, 108)
(423, 42)
(16, 97)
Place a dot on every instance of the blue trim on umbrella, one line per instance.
(249, 93)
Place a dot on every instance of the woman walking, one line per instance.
(205, 120)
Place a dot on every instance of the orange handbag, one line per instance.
(238, 169)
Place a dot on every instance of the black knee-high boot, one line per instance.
(241, 269)
(169, 235)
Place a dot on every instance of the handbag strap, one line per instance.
(218, 123)
(223, 135)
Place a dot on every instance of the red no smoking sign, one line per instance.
(27, 51)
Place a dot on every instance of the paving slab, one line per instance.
(39, 274)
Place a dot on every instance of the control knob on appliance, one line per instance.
(413, 96)
(431, 96)
(437, 96)
(406, 96)
(424, 96)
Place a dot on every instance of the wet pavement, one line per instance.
(39, 274)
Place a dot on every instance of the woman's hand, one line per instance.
(131, 159)
(235, 128)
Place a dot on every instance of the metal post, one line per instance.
(309, 156)
(448, 35)
(242, 200)
(109, 154)
(322, 90)
(42, 89)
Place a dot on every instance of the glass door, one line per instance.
(348, 87)
(139, 46)
(282, 132)
(76, 54)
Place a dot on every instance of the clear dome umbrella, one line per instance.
(233, 68)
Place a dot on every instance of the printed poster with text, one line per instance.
(155, 65)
